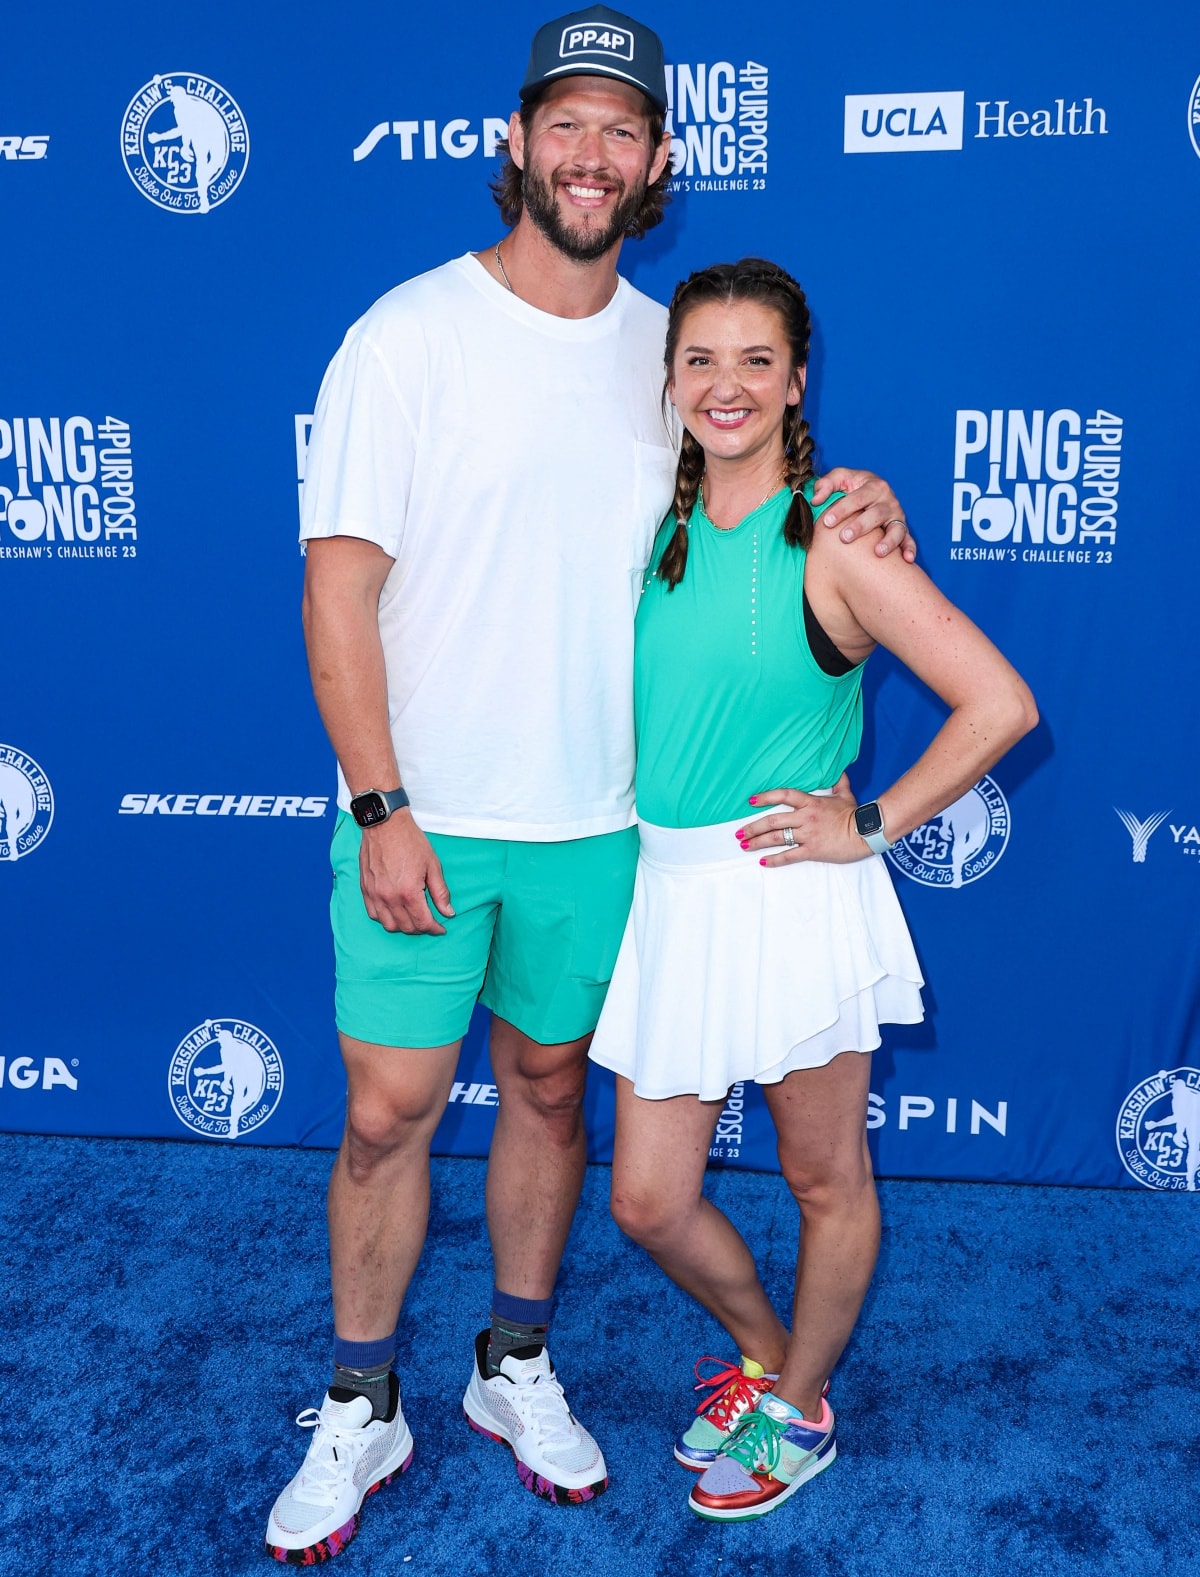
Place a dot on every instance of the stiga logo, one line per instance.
(185, 143)
(26, 804)
(66, 488)
(24, 148)
(718, 118)
(1194, 118)
(1158, 1130)
(962, 844)
(903, 122)
(27, 1073)
(427, 139)
(305, 805)
(225, 1079)
(1036, 487)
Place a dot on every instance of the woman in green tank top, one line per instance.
(765, 940)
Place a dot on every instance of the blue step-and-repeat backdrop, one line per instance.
(996, 212)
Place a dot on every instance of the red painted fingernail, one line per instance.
(745, 843)
(762, 862)
(754, 799)
(740, 833)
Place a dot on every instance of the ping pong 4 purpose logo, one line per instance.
(1036, 487)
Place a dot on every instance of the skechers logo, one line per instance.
(903, 122)
(596, 41)
(223, 805)
(24, 147)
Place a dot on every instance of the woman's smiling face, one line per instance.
(732, 378)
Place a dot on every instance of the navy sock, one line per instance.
(519, 1326)
(364, 1369)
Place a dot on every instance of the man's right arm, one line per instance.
(342, 581)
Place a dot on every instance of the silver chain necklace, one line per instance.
(503, 275)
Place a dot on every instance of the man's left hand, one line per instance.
(869, 505)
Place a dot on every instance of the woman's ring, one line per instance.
(788, 838)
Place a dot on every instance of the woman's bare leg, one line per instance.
(659, 1156)
(820, 1117)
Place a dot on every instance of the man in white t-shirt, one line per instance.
(488, 464)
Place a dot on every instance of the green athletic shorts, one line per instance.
(534, 937)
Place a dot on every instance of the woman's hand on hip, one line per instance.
(821, 827)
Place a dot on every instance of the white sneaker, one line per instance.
(351, 1456)
(524, 1408)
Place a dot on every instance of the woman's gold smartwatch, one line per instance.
(376, 805)
(869, 821)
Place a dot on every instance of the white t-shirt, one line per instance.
(515, 465)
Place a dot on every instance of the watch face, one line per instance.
(868, 819)
(369, 809)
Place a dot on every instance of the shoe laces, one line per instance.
(545, 1405)
(332, 1451)
(731, 1392)
(756, 1443)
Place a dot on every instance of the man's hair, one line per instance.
(506, 187)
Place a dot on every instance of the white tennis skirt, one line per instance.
(730, 970)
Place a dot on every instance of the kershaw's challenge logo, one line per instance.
(69, 489)
(962, 844)
(184, 142)
(26, 804)
(225, 1079)
(1158, 1130)
(1194, 118)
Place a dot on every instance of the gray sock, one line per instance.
(372, 1383)
(512, 1336)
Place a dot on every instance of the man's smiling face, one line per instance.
(586, 163)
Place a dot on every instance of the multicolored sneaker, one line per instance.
(732, 1393)
(770, 1454)
(523, 1407)
(351, 1456)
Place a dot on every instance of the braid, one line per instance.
(687, 484)
(798, 448)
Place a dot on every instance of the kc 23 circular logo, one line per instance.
(960, 845)
(26, 803)
(1158, 1130)
(225, 1079)
(185, 143)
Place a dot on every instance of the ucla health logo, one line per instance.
(1036, 487)
(1158, 1130)
(962, 844)
(903, 123)
(185, 143)
(26, 804)
(225, 1079)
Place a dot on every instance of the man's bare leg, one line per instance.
(538, 1155)
(379, 1189)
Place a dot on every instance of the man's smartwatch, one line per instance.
(869, 821)
(377, 805)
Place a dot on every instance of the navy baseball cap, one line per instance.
(597, 43)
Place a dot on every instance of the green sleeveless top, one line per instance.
(728, 698)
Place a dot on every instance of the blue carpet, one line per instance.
(1022, 1395)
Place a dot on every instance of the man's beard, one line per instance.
(585, 244)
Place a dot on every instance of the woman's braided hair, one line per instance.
(771, 286)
